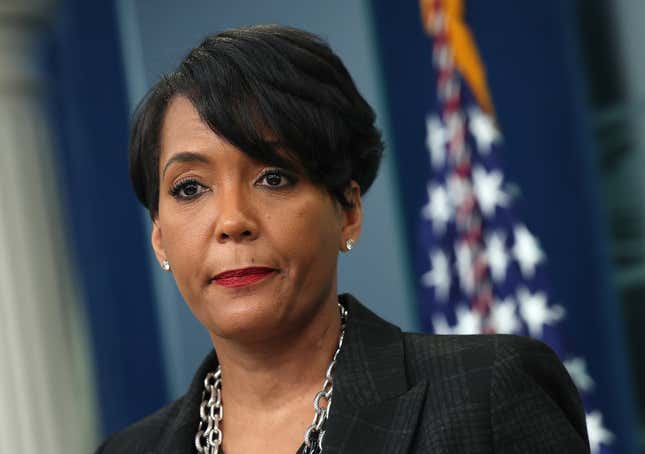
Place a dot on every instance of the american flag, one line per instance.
(481, 270)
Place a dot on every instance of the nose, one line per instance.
(235, 220)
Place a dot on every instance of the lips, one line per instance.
(242, 277)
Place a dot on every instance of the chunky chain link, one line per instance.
(316, 431)
(211, 411)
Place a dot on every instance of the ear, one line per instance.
(157, 241)
(352, 216)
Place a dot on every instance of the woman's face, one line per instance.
(273, 234)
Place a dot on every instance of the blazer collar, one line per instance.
(370, 391)
(371, 365)
(374, 409)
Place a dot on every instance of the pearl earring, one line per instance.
(349, 244)
(165, 265)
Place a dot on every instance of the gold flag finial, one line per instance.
(462, 44)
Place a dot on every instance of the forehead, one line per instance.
(183, 127)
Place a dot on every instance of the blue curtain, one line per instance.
(89, 111)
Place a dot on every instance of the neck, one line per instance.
(279, 376)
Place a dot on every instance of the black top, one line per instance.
(411, 393)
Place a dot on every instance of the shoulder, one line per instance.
(474, 363)
(464, 352)
(143, 434)
(515, 385)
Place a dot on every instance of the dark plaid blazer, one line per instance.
(400, 392)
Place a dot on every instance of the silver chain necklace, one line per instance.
(211, 411)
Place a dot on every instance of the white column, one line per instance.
(46, 395)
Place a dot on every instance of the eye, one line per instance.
(187, 189)
(276, 178)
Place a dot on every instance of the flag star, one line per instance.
(464, 256)
(526, 251)
(438, 276)
(440, 325)
(577, 368)
(436, 140)
(438, 210)
(483, 129)
(468, 322)
(598, 433)
(488, 190)
(497, 256)
(536, 313)
(503, 318)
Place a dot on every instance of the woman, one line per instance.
(252, 159)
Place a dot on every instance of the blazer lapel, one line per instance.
(373, 407)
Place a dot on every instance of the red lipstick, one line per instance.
(242, 277)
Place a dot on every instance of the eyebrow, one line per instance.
(185, 156)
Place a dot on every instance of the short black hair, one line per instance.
(266, 88)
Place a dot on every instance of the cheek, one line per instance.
(184, 240)
(311, 235)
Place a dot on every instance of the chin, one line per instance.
(244, 317)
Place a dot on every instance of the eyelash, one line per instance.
(290, 179)
(181, 185)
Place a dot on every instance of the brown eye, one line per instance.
(190, 189)
(187, 189)
(276, 178)
(273, 179)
